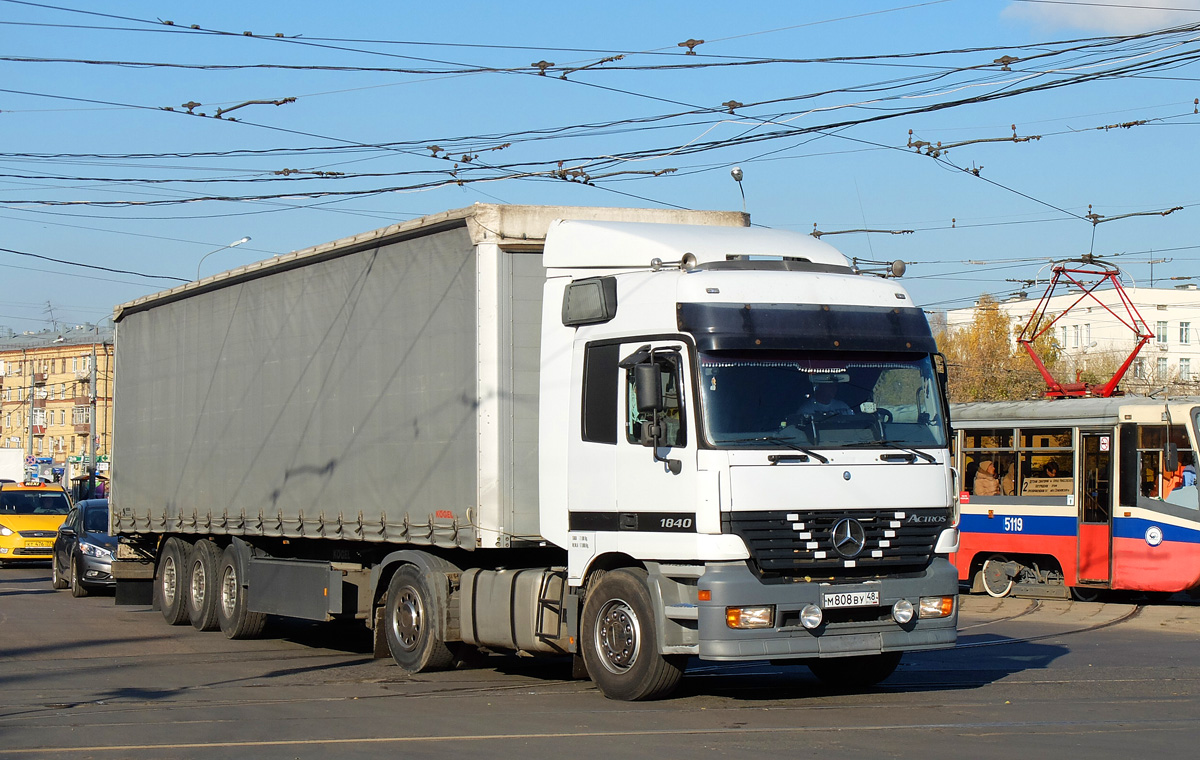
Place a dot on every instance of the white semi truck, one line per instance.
(632, 436)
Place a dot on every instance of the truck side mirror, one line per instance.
(1170, 457)
(647, 388)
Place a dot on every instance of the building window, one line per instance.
(1185, 369)
(81, 415)
(1162, 368)
(1185, 333)
(1161, 333)
(1064, 338)
(1075, 336)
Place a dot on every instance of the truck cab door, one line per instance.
(656, 470)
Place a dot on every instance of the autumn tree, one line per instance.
(985, 362)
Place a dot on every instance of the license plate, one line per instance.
(852, 599)
(38, 544)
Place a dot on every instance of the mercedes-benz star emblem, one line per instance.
(849, 538)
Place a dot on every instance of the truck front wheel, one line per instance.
(620, 642)
(169, 585)
(853, 673)
(410, 623)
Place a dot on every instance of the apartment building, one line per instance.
(53, 384)
(1095, 332)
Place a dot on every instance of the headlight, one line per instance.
(5, 530)
(750, 617)
(92, 550)
(937, 606)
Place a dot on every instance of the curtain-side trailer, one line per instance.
(631, 436)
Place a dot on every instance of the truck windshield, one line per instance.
(34, 503)
(769, 399)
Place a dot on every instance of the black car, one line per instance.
(83, 549)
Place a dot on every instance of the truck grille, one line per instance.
(793, 541)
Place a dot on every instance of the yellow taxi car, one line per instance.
(30, 515)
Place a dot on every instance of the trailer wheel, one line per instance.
(233, 616)
(77, 588)
(855, 672)
(410, 623)
(620, 641)
(996, 580)
(202, 584)
(169, 585)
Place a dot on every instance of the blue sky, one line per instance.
(91, 163)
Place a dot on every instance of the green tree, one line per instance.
(985, 362)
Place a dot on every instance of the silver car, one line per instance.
(83, 550)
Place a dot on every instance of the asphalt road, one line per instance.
(83, 678)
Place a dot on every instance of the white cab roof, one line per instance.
(619, 245)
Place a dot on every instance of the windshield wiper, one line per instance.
(893, 445)
(779, 442)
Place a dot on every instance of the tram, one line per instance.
(1073, 497)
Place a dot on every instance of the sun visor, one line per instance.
(810, 327)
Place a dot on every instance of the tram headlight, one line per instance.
(902, 611)
(937, 606)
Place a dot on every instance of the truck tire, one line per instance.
(233, 616)
(77, 588)
(169, 583)
(620, 640)
(410, 623)
(202, 583)
(852, 673)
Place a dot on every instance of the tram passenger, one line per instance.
(986, 482)
(1050, 470)
(1009, 481)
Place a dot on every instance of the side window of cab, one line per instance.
(672, 418)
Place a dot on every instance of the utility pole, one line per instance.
(29, 422)
(92, 426)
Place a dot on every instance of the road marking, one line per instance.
(1090, 726)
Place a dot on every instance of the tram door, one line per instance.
(1095, 506)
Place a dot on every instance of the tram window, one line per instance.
(1152, 436)
(987, 439)
(998, 478)
(1150, 471)
(1046, 438)
(1046, 474)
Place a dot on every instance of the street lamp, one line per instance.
(234, 244)
(736, 173)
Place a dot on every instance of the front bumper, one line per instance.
(96, 571)
(13, 548)
(844, 632)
